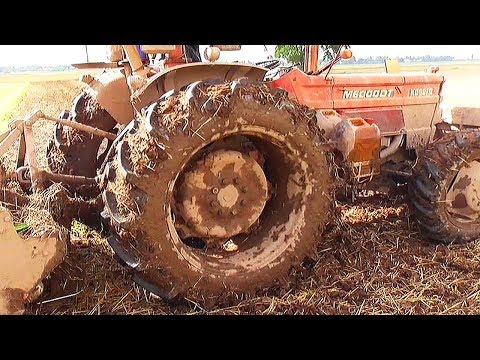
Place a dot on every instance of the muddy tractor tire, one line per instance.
(74, 152)
(220, 188)
(445, 188)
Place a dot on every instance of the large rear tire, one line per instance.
(75, 152)
(182, 131)
(443, 178)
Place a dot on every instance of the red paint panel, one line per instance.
(312, 91)
(355, 91)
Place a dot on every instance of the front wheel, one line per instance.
(445, 188)
(221, 188)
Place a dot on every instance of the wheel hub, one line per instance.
(222, 195)
(463, 197)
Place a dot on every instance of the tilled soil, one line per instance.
(370, 260)
(50, 97)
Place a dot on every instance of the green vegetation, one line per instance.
(79, 229)
(296, 53)
(293, 53)
(21, 227)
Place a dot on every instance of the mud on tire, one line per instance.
(75, 152)
(435, 174)
(144, 185)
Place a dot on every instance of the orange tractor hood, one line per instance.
(346, 91)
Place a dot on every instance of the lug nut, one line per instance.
(244, 189)
(233, 212)
(224, 181)
(243, 202)
(215, 190)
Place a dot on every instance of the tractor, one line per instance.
(209, 178)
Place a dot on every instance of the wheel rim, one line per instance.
(222, 195)
(463, 195)
(274, 229)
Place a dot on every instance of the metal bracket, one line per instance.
(24, 263)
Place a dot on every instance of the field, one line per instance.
(371, 259)
(10, 97)
(14, 86)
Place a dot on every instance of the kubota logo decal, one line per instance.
(421, 92)
(367, 94)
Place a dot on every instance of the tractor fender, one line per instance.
(179, 76)
(112, 93)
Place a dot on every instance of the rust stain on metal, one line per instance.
(218, 161)
(196, 179)
(464, 196)
(214, 194)
(460, 201)
(462, 183)
(217, 232)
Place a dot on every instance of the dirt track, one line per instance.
(372, 260)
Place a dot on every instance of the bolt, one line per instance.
(215, 190)
(243, 189)
(234, 212)
(243, 202)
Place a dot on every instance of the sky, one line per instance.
(21, 55)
